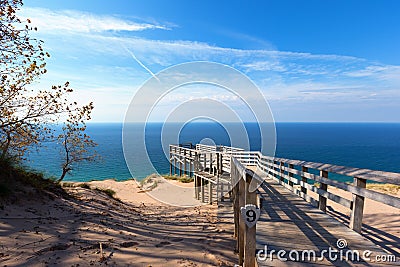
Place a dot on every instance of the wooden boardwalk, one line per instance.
(294, 228)
(288, 222)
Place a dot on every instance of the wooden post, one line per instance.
(236, 214)
(192, 164)
(276, 169)
(170, 161)
(204, 161)
(272, 167)
(195, 162)
(236, 208)
(180, 162)
(184, 162)
(291, 166)
(242, 224)
(211, 166)
(174, 167)
(250, 233)
(195, 187)
(304, 179)
(210, 198)
(202, 184)
(281, 165)
(218, 164)
(358, 206)
(322, 199)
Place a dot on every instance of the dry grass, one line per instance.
(385, 188)
(183, 179)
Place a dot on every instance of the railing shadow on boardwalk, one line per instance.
(316, 233)
(387, 241)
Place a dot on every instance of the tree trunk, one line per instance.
(65, 171)
(5, 148)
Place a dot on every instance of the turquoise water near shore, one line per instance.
(363, 145)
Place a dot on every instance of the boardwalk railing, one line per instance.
(301, 177)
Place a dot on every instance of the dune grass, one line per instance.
(150, 182)
(109, 192)
(385, 188)
(183, 179)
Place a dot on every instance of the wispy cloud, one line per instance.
(76, 21)
(107, 58)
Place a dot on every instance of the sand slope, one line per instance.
(136, 231)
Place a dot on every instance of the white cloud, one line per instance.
(76, 21)
(383, 72)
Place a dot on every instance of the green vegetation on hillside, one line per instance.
(15, 180)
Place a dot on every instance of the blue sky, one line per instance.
(312, 60)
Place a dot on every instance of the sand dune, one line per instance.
(92, 229)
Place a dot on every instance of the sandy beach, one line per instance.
(90, 228)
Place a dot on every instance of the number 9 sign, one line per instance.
(250, 214)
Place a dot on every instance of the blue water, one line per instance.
(363, 145)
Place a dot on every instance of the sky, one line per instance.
(329, 61)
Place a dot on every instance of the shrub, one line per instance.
(84, 185)
(109, 192)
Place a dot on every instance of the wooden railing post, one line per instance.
(174, 167)
(218, 163)
(242, 224)
(250, 233)
(180, 162)
(358, 206)
(210, 198)
(211, 165)
(236, 210)
(202, 184)
(196, 162)
(184, 162)
(304, 180)
(291, 166)
(282, 171)
(204, 161)
(191, 162)
(196, 187)
(170, 161)
(322, 199)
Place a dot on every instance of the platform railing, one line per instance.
(301, 177)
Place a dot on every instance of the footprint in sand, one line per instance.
(129, 244)
(163, 243)
(177, 239)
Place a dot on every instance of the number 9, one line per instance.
(251, 215)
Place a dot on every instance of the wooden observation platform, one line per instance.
(294, 228)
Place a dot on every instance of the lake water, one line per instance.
(363, 145)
